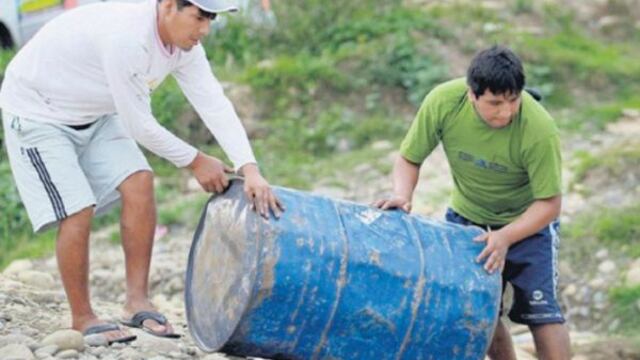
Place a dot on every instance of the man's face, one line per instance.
(497, 111)
(186, 27)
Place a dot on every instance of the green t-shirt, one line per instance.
(497, 173)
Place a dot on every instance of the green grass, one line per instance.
(185, 212)
(626, 307)
(596, 117)
(473, 14)
(613, 162)
(24, 244)
(617, 229)
(578, 54)
(299, 152)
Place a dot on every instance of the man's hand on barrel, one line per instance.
(260, 193)
(395, 202)
(495, 252)
(210, 172)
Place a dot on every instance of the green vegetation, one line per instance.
(618, 229)
(185, 212)
(332, 78)
(611, 163)
(626, 307)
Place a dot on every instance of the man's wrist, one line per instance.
(507, 236)
(192, 165)
(249, 169)
(404, 197)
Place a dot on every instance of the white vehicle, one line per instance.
(21, 19)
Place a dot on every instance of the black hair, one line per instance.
(497, 69)
(184, 3)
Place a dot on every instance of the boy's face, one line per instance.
(497, 111)
(185, 27)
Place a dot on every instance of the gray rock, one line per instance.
(47, 350)
(49, 298)
(602, 254)
(178, 355)
(16, 352)
(615, 324)
(97, 351)
(68, 354)
(382, 145)
(598, 283)
(41, 356)
(608, 21)
(96, 340)
(18, 266)
(600, 300)
(130, 353)
(570, 290)
(583, 311)
(147, 342)
(17, 339)
(175, 285)
(607, 266)
(36, 279)
(632, 278)
(66, 340)
(193, 351)
(215, 356)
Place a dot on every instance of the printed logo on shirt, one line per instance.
(482, 163)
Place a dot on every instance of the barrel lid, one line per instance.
(221, 270)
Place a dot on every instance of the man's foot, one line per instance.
(112, 332)
(148, 319)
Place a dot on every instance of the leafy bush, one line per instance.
(13, 217)
(237, 42)
(291, 80)
(311, 25)
(404, 65)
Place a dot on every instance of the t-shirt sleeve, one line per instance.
(544, 166)
(424, 133)
(125, 75)
(205, 93)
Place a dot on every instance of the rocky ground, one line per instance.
(34, 315)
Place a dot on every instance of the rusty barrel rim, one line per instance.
(238, 276)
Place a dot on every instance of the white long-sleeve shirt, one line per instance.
(107, 58)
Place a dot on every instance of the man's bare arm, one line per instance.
(538, 215)
(405, 178)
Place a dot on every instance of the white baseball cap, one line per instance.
(216, 6)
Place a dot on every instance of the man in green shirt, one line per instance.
(504, 152)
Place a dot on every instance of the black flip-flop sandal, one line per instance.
(103, 328)
(138, 319)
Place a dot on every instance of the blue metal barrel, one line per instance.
(336, 280)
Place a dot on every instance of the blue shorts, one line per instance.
(531, 268)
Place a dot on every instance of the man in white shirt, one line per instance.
(75, 101)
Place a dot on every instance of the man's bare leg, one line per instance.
(72, 252)
(501, 347)
(552, 341)
(137, 228)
